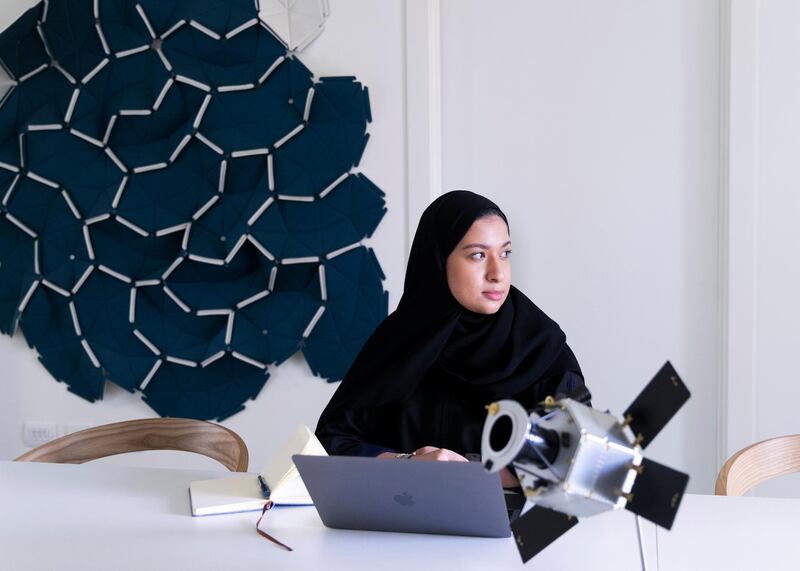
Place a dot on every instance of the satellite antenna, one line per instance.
(574, 461)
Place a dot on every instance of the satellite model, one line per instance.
(573, 461)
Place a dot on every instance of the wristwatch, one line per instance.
(406, 455)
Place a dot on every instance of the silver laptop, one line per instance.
(454, 498)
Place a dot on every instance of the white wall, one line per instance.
(764, 118)
(352, 44)
(595, 126)
(778, 231)
(645, 153)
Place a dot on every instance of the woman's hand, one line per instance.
(508, 479)
(440, 454)
(430, 453)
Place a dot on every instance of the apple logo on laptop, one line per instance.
(404, 499)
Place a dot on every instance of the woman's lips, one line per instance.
(493, 295)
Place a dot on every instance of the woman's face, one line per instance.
(479, 268)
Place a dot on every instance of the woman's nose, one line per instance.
(494, 271)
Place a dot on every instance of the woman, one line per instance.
(461, 337)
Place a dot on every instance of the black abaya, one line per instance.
(425, 375)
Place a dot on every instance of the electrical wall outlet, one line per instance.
(35, 433)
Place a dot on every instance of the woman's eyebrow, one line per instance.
(483, 246)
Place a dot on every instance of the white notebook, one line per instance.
(242, 492)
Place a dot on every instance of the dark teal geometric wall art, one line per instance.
(180, 202)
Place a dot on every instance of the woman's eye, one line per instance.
(477, 255)
(507, 254)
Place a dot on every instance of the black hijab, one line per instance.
(498, 355)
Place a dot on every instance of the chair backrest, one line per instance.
(201, 437)
(757, 463)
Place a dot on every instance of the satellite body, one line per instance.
(573, 460)
(595, 464)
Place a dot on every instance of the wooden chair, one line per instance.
(197, 436)
(757, 463)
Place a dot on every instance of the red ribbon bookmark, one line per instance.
(268, 506)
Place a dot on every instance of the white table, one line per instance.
(97, 516)
(729, 533)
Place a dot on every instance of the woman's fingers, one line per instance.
(508, 479)
(454, 456)
(440, 454)
(426, 449)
